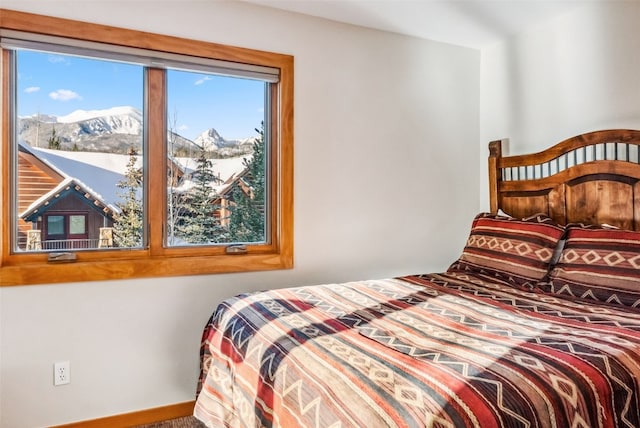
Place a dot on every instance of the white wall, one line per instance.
(576, 73)
(386, 155)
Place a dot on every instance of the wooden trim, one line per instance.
(62, 27)
(141, 417)
(5, 114)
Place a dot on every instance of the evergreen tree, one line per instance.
(128, 224)
(197, 223)
(247, 220)
(54, 140)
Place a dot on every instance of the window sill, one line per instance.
(79, 271)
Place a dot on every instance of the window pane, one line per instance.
(55, 225)
(79, 146)
(77, 225)
(217, 151)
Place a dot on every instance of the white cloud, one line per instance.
(64, 95)
(32, 89)
(201, 81)
(57, 59)
(183, 128)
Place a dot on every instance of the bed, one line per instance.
(536, 324)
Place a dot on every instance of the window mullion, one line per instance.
(156, 158)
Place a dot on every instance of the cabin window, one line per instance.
(77, 225)
(65, 232)
(55, 227)
(143, 154)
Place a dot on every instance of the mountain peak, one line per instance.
(210, 139)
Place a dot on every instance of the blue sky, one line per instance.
(60, 84)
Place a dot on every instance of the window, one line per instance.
(222, 171)
(82, 116)
(55, 226)
(142, 154)
(77, 225)
(63, 232)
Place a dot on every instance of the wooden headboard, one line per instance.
(591, 178)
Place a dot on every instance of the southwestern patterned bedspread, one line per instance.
(457, 349)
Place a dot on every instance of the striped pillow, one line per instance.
(600, 264)
(514, 250)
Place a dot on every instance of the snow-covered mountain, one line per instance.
(116, 130)
(211, 141)
(116, 120)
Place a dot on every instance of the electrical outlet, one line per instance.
(61, 373)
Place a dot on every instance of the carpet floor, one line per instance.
(186, 422)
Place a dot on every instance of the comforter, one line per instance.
(434, 350)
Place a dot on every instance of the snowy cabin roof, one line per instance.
(96, 183)
(62, 190)
(97, 174)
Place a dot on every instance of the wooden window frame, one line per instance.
(156, 260)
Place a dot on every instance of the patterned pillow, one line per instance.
(600, 264)
(511, 249)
